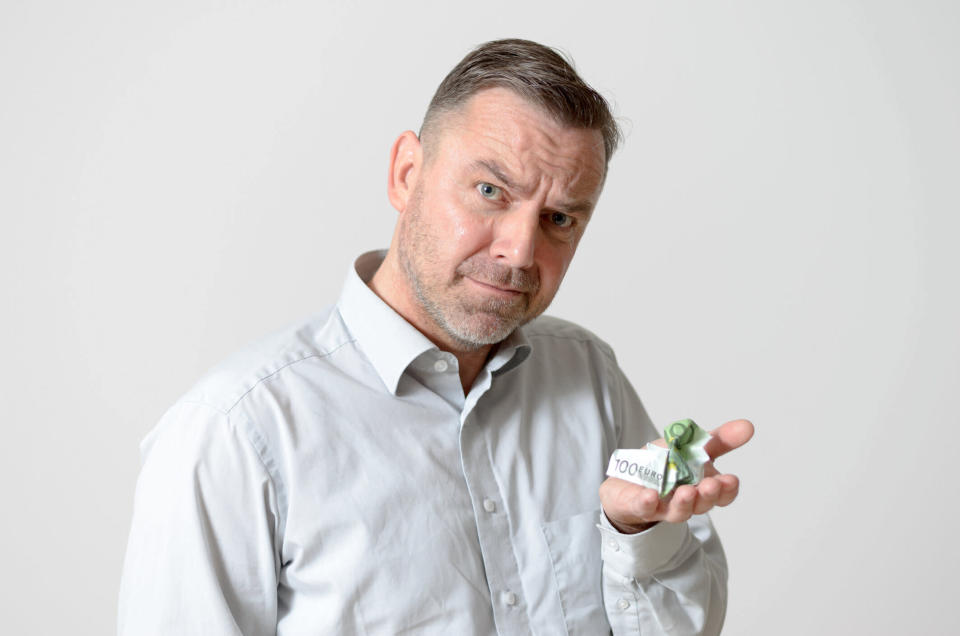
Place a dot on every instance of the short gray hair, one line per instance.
(537, 73)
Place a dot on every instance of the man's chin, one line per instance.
(478, 333)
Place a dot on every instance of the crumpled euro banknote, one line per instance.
(663, 469)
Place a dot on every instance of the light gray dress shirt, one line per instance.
(334, 479)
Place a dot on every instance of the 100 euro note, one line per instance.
(663, 469)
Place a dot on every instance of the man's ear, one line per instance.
(406, 159)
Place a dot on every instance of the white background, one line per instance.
(776, 241)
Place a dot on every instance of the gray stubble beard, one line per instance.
(461, 332)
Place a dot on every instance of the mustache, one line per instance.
(499, 276)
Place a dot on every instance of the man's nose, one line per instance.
(515, 239)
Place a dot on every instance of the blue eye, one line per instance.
(489, 191)
(560, 219)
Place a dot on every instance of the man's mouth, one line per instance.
(493, 287)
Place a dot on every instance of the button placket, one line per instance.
(503, 575)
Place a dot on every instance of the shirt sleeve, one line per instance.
(202, 554)
(671, 578)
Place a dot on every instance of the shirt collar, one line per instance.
(510, 353)
(389, 341)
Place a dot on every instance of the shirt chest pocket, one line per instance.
(574, 546)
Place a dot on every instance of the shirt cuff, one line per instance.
(640, 555)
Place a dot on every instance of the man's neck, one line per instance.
(393, 288)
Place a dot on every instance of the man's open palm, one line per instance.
(633, 508)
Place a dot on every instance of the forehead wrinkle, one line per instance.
(576, 183)
(548, 156)
(537, 164)
(524, 149)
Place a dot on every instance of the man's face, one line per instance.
(496, 214)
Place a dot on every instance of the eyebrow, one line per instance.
(582, 207)
(494, 168)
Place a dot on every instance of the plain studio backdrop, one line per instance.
(776, 241)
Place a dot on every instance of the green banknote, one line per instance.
(663, 469)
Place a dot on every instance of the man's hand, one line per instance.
(632, 508)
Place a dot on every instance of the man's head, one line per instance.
(496, 193)
(537, 73)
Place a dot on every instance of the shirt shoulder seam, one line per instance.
(589, 340)
(281, 368)
(260, 380)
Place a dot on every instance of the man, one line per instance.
(421, 457)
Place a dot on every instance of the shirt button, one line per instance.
(623, 604)
(510, 598)
(490, 506)
(440, 366)
(613, 545)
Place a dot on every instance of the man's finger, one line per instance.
(730, 487)
(681, 504)
(729, 436)
(645, 505)
(628, 503)
(708, 492)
